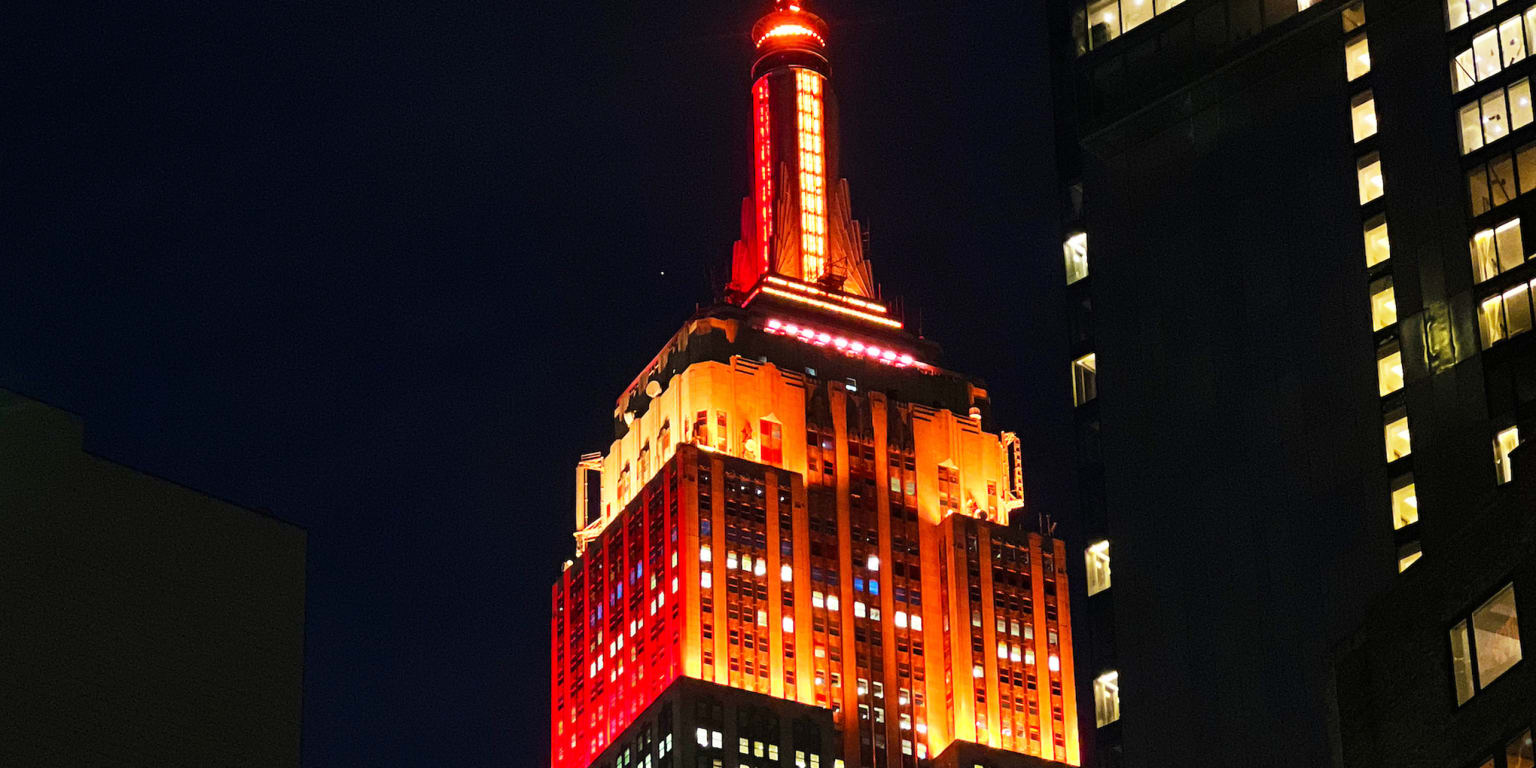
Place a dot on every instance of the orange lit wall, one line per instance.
(813, 176)
(807, 540)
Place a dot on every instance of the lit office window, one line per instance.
(1377, 247)
(1456, 13)
(1389, 368)
(1511, 41)
(1362, 115)
(1134, 13)
(1075, 250)
(1085, 378)
(1106, 698)
(1504, 315)
(1103, 22)
(1491, 184)
(1504, 443)
(1485, 54)
(1369, 177)
(1383, 304)
(1405, 503)
(1353, 17)
(1525, 164)
(1408, 554)
(1398, 441)
(1494, 115)
(1357, 57)
(1490, 649)
(1097, 557)
(1496, 250)
(1520, 753)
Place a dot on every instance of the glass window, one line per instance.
(1511, 41)
(1383, 304)
(1405, 503)
(1362, 112)
(1075, 250)
(1485, 53)
(1495, 636)
(1530, 23)
(1408, 554)
(1495, 116)
(1471, 128)
(1517, 310)
(1357, 57)
(1135, 12)
(1377, 247)
(1399, 442)
(1354, 16)
(1490, 320)
(1085, 378)
(1520, 104)
(1080, 30)
(1479, 7)
(1103, 22)
(1478, 195)
(1389, 368)
(1368, 174)
(1163, 5)
(1501, 180)
(1485, 256)
(1455, 13)
(1525, 165)
(1461, 662)
(1519, 752)
(1097, 560)
(1504, 443)
(1506, 238)
(1463, 72)
(1106, 698)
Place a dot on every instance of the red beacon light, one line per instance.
(841, 343)
(790, 26)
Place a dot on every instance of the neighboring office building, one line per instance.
(1440, 673)
(143, 623)
(1299, 354)
(798, 502)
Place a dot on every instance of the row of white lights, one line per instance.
(842, 344)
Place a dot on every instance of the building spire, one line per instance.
(798, 223)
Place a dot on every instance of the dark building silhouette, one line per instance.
(143, 623)
(1299, 343)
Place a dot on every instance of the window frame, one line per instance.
(1507, 581)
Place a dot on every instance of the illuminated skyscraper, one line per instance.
(798, 502)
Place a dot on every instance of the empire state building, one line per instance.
(806, 545)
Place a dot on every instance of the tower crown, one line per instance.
(798, 237)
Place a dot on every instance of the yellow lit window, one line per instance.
(1106, 698)
(1134, 13)
(1511, 41)
(1520, 752)
(1520, 113)
(1471, 128)
(1097, 557)
(1377, 247)
(1357, 57)
(1103, 21)
(1485, 54)
(1405, 503)
(1085, 378)
(1408, 554)
(1383, 304)
(1389, 368)
(1399, 442)
(1456, 13)
(1075, 251)
(1368, 176)
(1362, 114)
(1504, 315)
(1504, 443)
(1353, 17)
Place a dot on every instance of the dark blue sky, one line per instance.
(382, 268)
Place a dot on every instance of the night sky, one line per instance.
(381, 269)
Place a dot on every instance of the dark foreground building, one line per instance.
(1299, 354)
(143, 623)
(1440, 673)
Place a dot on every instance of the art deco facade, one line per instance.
(799, 503)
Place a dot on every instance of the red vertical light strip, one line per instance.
(813, 201)
(764, 176)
